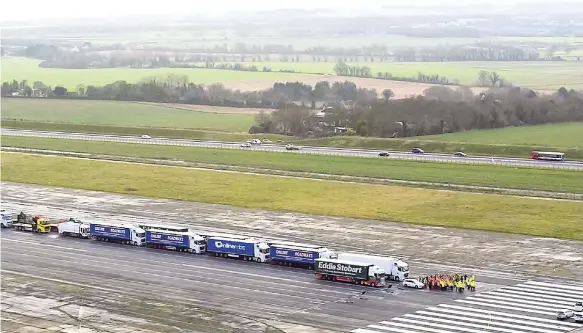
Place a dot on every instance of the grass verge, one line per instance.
(556, 180)
(547, 218)
(340, 142)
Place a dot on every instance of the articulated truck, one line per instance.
(395, 269)
(304, 256)
(173, 240)
(125, 234)
(362, 273)
(247, 249)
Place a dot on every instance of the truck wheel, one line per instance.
(397, 278)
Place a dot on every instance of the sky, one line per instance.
(43, 9)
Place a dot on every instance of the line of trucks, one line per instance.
(369, 270)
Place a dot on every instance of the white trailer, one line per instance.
(395, 269)
(74, 228)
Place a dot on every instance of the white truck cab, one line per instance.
(138, 235)
(6, 219)
(262, 251)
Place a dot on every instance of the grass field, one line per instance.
(537, 75)
(534, 74)
(462, 174)
(27, 69)
(568, 135)
(121, 114)
(547, 218)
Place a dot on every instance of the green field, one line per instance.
(546, 218)
(450, 173)
(534, 74)
(569, 135)
(541, 75)
(128, 114)
(28, 69)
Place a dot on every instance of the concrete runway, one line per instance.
(304, 150)
(250, 289)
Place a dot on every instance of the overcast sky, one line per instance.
(47, 9)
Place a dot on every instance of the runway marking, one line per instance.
(42, 244)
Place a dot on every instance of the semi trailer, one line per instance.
(174, 240)
(297, 255)
(363, 273)
(395, 269)
(246, 249)
(125, 234)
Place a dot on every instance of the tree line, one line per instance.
(358, 111)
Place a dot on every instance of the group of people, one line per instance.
(458, 281)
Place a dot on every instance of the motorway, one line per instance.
(304, 150)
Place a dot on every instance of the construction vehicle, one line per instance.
(34, 224)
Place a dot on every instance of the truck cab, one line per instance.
(138, 236)
(6, 219)
(262, 252)
(73, 228)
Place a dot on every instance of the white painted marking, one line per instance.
(491, 321)
(514, 304)
(41, 244)
(393, 324)
(505, 307)
(437, 328)
(553, 300)
(510, 315)
(562, 286)
(518, 302)
(364, 330)
(552, 290)
(553, 295)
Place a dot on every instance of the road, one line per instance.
(304, 150)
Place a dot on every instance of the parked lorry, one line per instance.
(363, 273)
(6, 219)
(73, 228)
(246, 249)
(175, 240)
(125, 234)
(33, 224)
(297, 255)
(395, 269)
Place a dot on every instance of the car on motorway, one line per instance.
(266, 141)
(578, 317)
(384, 154)
(292, 147)
(578, 307)
(417, 151)
(246, 145)
(146, 137)
(460, 154)
(564, 314)
(413, 283)
(255, 142)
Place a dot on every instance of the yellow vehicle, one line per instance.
(35, 224)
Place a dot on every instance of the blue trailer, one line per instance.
(246, 249)
(125, 234)
(298, 256)
(172, 240)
